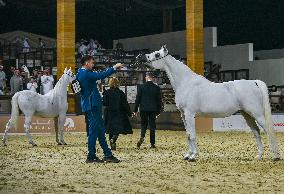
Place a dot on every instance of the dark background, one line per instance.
(238, 21)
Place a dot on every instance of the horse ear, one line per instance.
(164, 46)
(65, 69)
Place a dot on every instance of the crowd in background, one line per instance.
(85, 47)
(15, 80)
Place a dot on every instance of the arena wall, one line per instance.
(166, 121)
(269, 54)
(271, 71)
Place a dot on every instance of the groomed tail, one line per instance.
(15, 110)
(268, 119)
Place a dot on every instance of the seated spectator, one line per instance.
(16, 82)
(41, 43)
(83, 49)
(26, 45)
(32, 85)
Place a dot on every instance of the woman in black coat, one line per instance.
(116, 113)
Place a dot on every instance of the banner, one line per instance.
(238, 123)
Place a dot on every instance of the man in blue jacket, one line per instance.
(91, 104)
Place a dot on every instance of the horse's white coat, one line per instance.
(53, 104)
(195, 95)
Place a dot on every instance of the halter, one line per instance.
(159, 58)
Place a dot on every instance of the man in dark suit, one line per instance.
(149, 101)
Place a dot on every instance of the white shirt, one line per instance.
(47, 83)
(32, 86)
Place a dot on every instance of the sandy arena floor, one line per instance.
(226, 165)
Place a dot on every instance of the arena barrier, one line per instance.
(237, 122)
(166, 121)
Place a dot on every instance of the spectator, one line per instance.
(26, 45)
(10, 74)
(2, 79)
(47, 81)
(116, 113)
(16, 82)
(32, 85)
(92, 47)
(25, 79)
(41, 43)
(38, 79)
(83, 49)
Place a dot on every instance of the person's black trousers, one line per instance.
(148, 117)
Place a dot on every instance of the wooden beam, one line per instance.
(194, 35)
(66, 39)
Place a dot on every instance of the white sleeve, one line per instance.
(29, 86)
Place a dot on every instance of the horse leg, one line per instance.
(61, 121)
(256, 131)
(27, 125)
(190, 130)
(272, 140)
(8, 127)
(56, 129)
(186, 157)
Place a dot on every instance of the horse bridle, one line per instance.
(156, 59)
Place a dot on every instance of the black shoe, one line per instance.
(95, 160)
(112, 144)
(152, 146)
(139, 143)
(111, 159)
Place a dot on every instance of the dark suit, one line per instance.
(149, 101)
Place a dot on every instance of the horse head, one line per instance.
(153, 58)
(69, 75)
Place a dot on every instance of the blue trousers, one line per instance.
(96, 131)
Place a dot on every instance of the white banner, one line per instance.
(238, 123)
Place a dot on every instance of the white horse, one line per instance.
(26, 70)
(53, 104)
(195, 95)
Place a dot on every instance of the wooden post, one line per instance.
(194, 35)
(66, 40)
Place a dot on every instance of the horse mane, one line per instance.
(57, 87)
(185, 67)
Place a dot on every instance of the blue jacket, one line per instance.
(90, 95)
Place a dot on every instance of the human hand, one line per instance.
(118, 66)
(134, 114)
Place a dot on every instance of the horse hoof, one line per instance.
(191, 160)
(59, 143)
(276, 159)
(4, 144)
(186, 158)
(34, 145)
(258, 157)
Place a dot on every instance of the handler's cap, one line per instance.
(149, 74)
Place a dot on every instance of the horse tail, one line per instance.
(15, 110)
(268, 117)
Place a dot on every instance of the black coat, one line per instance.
(149, 98)
(117, 111)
